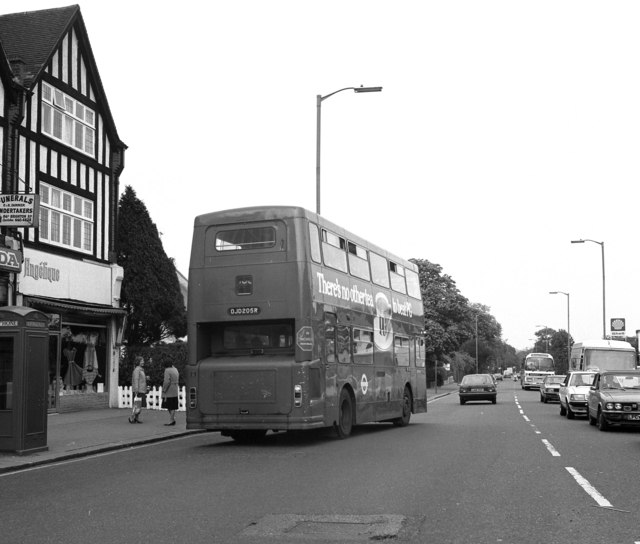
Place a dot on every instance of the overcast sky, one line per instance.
(505, 129)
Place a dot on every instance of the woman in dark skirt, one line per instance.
(170, 392)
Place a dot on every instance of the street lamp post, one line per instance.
(476, 343)
(604, 313)
(319, 100)
(546, 337)
(568, 325)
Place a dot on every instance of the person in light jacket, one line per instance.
(139, 387)
(170, 391)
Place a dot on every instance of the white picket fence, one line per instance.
(154, 398)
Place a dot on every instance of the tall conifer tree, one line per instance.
(150, 288)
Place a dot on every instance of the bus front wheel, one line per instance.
(345, 415)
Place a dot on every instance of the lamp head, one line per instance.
(362, 89)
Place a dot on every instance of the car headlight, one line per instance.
(613, 406)
(578, 396)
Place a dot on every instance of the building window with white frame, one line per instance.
(66, 219)
(68, 120)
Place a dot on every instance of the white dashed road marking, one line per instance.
(591, 491)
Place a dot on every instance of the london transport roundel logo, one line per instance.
(364, 384)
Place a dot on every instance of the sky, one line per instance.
(504, 130)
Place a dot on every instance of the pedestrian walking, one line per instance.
(170, 391)
(138, 390)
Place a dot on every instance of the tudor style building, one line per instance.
(59, 145)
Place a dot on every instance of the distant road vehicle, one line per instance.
(295, 323)
(600, 355)
(477, 387)
(550, 388)
(536, 366)
(574, 392)
(614, 399)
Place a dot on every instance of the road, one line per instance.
(514, 472)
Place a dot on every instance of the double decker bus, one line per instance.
(295, 323)
(536, 366)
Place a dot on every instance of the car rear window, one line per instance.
(477, 380)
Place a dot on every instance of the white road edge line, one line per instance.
(591, 491)
(551, 449)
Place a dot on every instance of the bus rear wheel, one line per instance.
(345, 415)
(403, 420)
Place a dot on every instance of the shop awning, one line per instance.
(53, 305)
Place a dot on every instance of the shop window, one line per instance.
(83, 360)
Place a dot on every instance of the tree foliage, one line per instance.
(450, 324)
(446, 311)
(150, 288)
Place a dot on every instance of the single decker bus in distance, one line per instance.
(536, 366)
(295, 323)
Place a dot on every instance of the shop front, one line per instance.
(81, 299)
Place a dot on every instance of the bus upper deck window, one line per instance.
(246, 238)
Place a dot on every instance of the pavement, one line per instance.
(88, 432)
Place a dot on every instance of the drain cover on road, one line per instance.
(351, 528)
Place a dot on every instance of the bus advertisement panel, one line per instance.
(536, 367)
(295, 323)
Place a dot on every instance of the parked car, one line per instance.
(478, 387)
(614, 399)
(550, 387)
(498, 377)
(574, 392)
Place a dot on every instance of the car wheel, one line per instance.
(602, 422)
(545, 400)
(462, 401)
(563, 410)
(494, 401)
(345, 415)
(403, 420)
(570, 414)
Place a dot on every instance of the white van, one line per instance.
(598, 355)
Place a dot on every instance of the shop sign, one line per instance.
(618, 326)
(10, 259)
(19, 210)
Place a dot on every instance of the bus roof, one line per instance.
(603, 344)
(269, 213)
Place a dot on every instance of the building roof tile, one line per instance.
(32, 36)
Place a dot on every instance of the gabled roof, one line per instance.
(32, 36)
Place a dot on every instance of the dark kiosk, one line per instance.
(24, 364)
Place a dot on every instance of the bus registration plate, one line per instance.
(244, 310)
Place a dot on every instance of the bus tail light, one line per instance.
(297, 396)
(193, 397)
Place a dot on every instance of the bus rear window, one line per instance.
(262, 336)
(247, 238)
